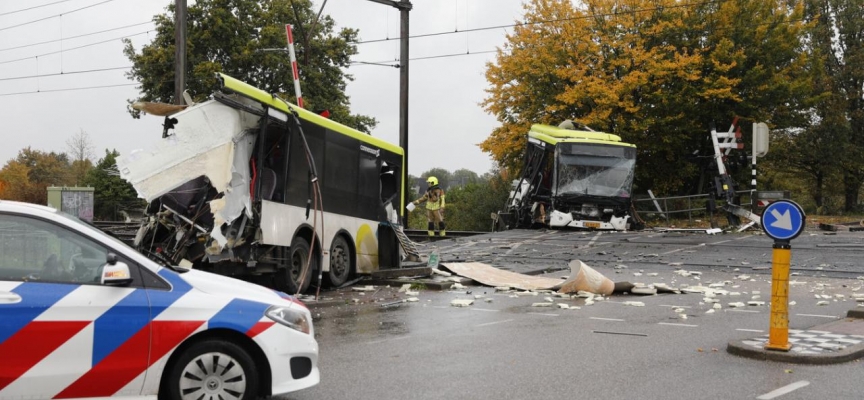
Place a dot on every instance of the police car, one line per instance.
(83, 315)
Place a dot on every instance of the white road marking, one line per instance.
(387, 340)
(783, 390)
(590, 242)
(750, 330)
(544, 314)
(440, 307)
(673, 306)
(674, 324)
(483, 309)
(818, 315)
(496, 322)
(607, 319)
(750, 311)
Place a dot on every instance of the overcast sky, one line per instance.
(41, 109)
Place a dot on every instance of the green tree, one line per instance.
(442, 174)
(232, 36)
(111, 195)
(656, 73)
(469, 207)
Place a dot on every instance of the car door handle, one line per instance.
(9, 298)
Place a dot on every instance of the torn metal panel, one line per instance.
(203, 143)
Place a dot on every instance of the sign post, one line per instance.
(783, 220)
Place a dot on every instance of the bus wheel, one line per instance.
(288, 279)
(340, 262)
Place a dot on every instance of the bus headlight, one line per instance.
(291, 318)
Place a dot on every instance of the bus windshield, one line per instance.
(596, 170)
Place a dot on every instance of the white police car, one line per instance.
(83, 315)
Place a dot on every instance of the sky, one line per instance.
(49, 49)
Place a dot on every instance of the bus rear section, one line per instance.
(232, 190)
(572, 179)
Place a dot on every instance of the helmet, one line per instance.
(432, 181)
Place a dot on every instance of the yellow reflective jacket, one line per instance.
(433, 197)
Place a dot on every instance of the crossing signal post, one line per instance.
(783, 220)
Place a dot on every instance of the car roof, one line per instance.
(8, 205)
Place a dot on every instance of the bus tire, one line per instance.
(340, 262)
(288, 278)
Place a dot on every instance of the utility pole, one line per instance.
(404, 6)
(179, 50)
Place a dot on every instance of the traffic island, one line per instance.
(832, 343)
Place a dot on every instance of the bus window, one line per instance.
(388, 183)
(274, 169)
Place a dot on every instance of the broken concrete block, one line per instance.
(367, 288)
(736, 305)
(563, 306)
(461, 302)
(822, 303)
(542, 304)
(756, 303)
(634, 303)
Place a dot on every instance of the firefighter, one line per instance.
(434, 198)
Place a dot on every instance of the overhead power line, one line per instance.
(73, 48)
(54, 16)
(34, 7)
(636, 11)
(384, 63)
(87, 71)
(76, 36)
(68, 89)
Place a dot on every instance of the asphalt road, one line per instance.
(508, 349)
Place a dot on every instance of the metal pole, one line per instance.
(295, 70)
(778, 331)
(403, 94)
(179, 50)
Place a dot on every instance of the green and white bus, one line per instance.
(233, 188)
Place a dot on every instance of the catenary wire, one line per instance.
(74, 48)
(76, 36)
(54, 16)
(68, 89)
(34, 7)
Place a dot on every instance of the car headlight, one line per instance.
(289, 317)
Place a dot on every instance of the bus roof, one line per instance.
(554, 135)
(236, 86)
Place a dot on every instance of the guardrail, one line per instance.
(694, 204)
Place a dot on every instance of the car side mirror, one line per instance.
(116, 274)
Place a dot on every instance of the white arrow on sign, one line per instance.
(784, 221)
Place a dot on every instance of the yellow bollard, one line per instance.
(778, 332)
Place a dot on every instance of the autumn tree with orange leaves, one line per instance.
(657, 73)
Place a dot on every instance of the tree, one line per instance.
(80, 150)
(27, 177)
(442, 174)
(656, 73)
(111, 194)
(462, 177)
(232, 36)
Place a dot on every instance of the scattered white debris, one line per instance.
(736, 305)
(710, 300)
(792, 303)
(412, 293)
(478, 296)
(682, 316)
(822, 303)
(620, 266)
(367, 288)
(734, 293)
(644, 290)
(457, 285)
(637, 274)
(697, 273)
(585, 295)
(717, 306)
(563, 306)
(461, 302)
(675, 264)
(563, 295)
(548, 300)
(355, 301)
(682, 272)
(711, 311)
(755, 292)
(412, 299)
(502, 288)
(651, 255)
(652, 274)
(542, 304)
(488, 299)
(717, 285)
(839, 296)
(440, 272)
(756, 297)
(634, 303)
(861, 278)
(589, 302)
(678, 310)
(406, 287)
(756, 303)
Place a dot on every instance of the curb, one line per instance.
(738, 348)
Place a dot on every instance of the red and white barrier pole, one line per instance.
(294, 68)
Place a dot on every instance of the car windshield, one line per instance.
(596, 170)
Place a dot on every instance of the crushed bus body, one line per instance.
(235, 190)
(574, 179)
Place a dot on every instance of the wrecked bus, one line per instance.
(237, 186)
(572, 178)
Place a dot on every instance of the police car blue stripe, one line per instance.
(240, 315)
(130, 315)
(35, 299)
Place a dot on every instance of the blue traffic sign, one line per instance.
(783, 220)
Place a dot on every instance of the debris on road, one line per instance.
(367, 288)
(461, 302)
(542, 304)
(634, 303)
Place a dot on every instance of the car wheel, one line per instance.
(212, 369)
(340, 262)
(288, 279)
